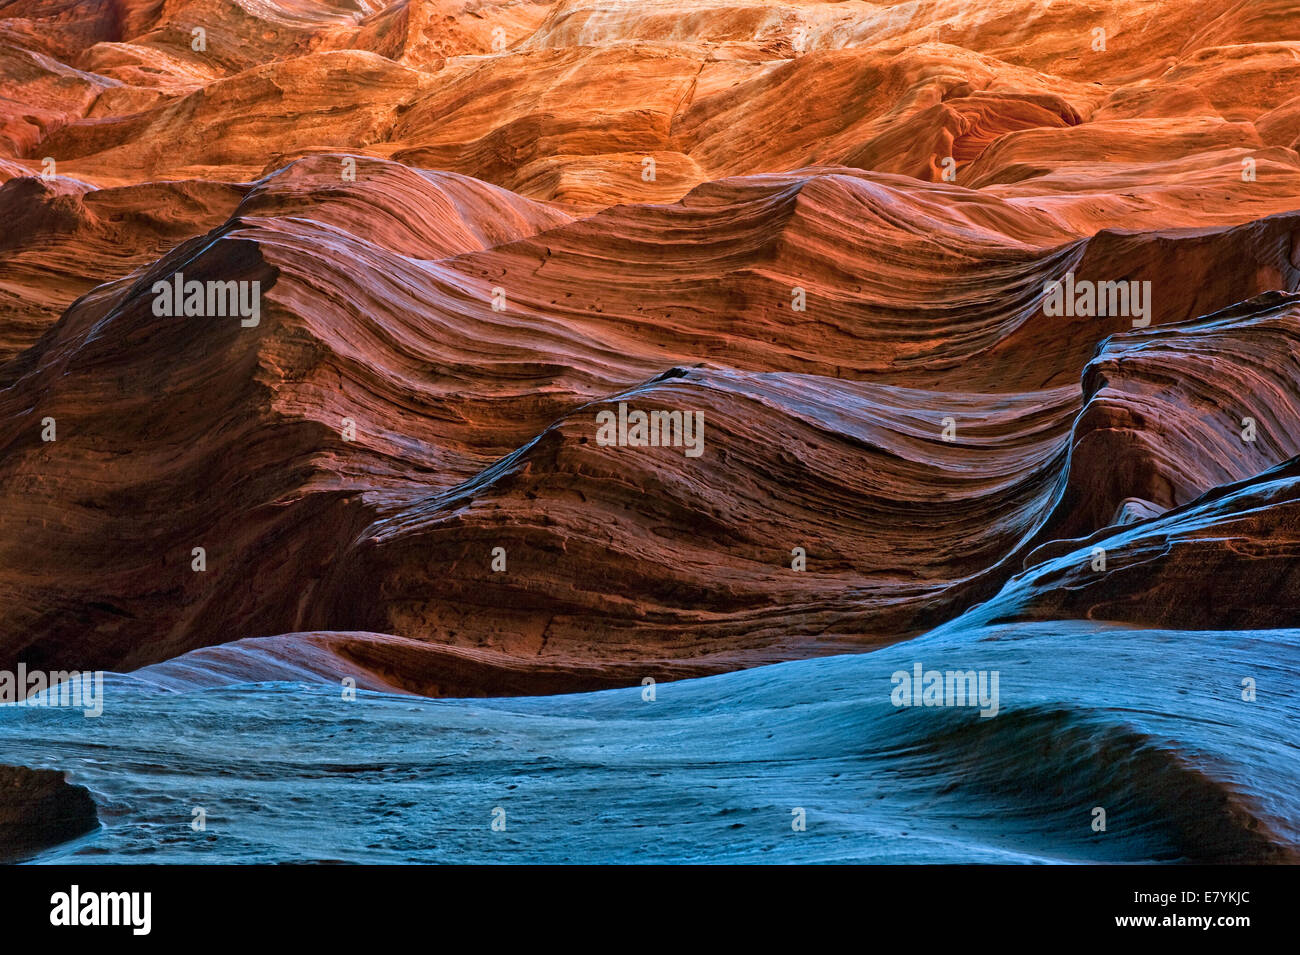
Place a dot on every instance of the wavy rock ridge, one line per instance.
(827, 228)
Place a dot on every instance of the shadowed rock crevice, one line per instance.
(40, 809)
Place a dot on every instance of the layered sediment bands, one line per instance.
(1149, 724)
(969, 334)
(1173, 513)
(418, 214)
(226, 128)
(960, 130)
(828, 228)
(423, 34)
(422, 387)
(566, 101)
(64, 238)
(1189, 811)
(1174, 411)
(1227, 559)
(177, 428)
(1281, 126)
(388, 664)
(902, 282)
(626, 553)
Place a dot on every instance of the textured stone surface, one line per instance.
(499, 271)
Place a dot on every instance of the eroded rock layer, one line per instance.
(935, 304)
(40, 809)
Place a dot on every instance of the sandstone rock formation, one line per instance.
(39, 809)
(828, 228)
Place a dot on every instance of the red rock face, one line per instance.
(477, 230)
